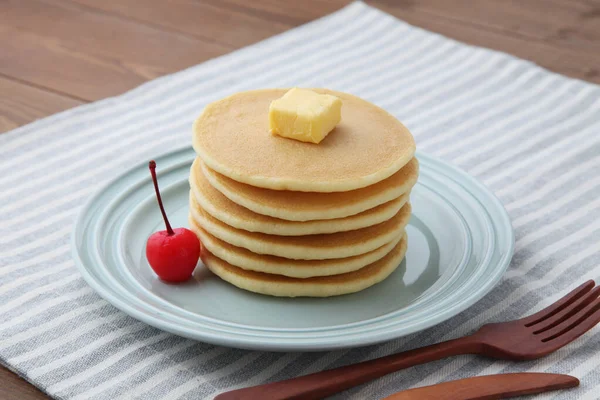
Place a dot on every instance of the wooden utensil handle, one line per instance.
(329, 382)
(490, 387)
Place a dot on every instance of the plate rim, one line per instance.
(500, 218)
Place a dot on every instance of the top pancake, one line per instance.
(368, 145)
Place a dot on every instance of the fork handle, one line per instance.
(332, 381)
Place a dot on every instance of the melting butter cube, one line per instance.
(304, 115)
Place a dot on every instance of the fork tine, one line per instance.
(567, 312)
(559, 305)
(588, 323)
(572, 322)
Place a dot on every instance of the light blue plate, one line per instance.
(460, 244)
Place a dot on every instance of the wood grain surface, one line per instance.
(57, 54)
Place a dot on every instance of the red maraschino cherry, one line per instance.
(172, 253)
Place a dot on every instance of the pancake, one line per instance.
(307, 206)
(246, 259)
(225, 210)
(309, 247)
(322, 286)
(368, 145)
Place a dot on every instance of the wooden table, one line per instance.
(57, 54)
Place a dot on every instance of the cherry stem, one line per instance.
(152, 167)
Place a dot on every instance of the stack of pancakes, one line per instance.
(287, 218)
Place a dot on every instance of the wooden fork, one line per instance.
(524, 339)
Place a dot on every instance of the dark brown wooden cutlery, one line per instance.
(489, 387)
(524, 339)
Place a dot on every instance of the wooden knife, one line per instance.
(489, 387)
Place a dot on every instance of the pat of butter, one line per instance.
(304, 115)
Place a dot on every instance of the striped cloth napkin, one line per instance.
(531, 136)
